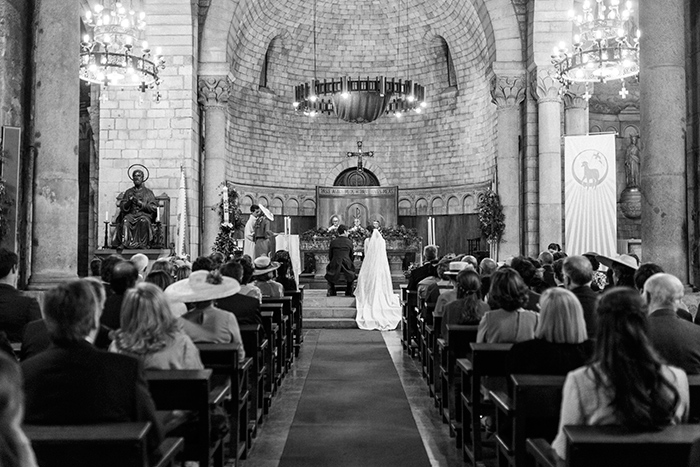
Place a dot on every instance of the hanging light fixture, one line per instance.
(361, 99)
(606, 47)
(115, 54)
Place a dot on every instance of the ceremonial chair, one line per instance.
(161, 226)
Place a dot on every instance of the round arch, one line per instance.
(339, 168)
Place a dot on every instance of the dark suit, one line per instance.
(77, 384)
(245, 308)
(35, 339)
(340, 264)
(589, 302)
(676, 340)
(16, 310)
(420, 273)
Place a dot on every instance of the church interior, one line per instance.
(246, 94)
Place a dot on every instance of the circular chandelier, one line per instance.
(360, 100)
(115, 55)
(606, 47)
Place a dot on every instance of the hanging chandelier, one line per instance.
(115, 55)
(359, 100)
(606, 47)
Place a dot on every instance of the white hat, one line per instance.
(140, 261)
(623, 260)
(266, 212)
(263, 265)
(202, 286)
(457, 266)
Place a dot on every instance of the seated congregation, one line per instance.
(550, 361)
(173, 364)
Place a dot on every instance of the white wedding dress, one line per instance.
(377, 305)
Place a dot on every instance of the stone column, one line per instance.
(508, 93)
(546, 90)
(55, 137)
(213, 96)
(663, 127)
(576, 110)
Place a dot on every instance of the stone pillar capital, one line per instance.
(544, 87)
(213, 91)
(576, 97)
(507, 92)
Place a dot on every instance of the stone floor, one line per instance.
(269, 445)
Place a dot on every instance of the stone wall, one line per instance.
(452, 143)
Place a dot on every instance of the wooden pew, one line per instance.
(410, 321)
(255, 345)
(487, 360)
(694, 386)
(531, 411)
(289, 314)
(223, 360)
(298, 305)
(459, 337)
(106, 445)
(271, 330)
(191, 390)
(677, 445)
(280, 343)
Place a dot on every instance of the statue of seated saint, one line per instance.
(137, 214)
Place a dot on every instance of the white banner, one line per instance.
(590, 197)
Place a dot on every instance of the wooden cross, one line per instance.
(359, 154)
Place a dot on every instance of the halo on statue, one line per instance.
(143, 168)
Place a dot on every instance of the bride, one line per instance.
(377, 305)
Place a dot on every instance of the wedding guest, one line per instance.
(15, 448)
(246, 308)
(16, 309)
(561, 343)
(626, 383)
(623, 268)
(151, 333)
(468, 308)
(509, 321)
(264, 277)
(247, 286)
(285, 273)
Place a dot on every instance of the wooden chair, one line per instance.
(191, 390)
(255, 345)
(677, 445)
(223, 360)
(106, 445)
(487, 360)
(531, 411)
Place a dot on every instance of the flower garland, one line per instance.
(231, 221)
(491, 217)
(6, 202)
(408, 236)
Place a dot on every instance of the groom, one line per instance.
(340, 262)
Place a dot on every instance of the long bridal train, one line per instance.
(378, 307)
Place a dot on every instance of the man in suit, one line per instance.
(16, 309)
(74, 383)
(676, 340)
(427, 269)
(340, 262)
(578, 276)
(245, 308)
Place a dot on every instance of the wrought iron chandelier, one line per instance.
(114, 54)
(606, 47)
(359, 100)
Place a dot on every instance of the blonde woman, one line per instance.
(561, 343)
(150, 332)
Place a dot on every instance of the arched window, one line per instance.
(353, 177)
(270, 67)
(444, 69)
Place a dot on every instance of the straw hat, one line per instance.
(266, 212)
(621, 260)
(202, 286)
(457, 266)
(263, 265)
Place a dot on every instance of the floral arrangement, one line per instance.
(231, 221)
(491, 217)
(6, 203)
(408, 236)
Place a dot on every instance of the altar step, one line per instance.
(322, 312)
(311, 282)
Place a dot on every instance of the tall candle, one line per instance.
(106, 216)
(158, 214)
(224, 193)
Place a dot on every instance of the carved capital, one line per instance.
(544, 87)
(576, 97)
(507, 91)
(213, 90)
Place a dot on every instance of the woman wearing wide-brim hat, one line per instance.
(207, 323)
(623, 268)
(264, 275)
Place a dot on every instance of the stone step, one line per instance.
(345, 312)
(329, 323)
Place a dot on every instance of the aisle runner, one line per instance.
(353, 410)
